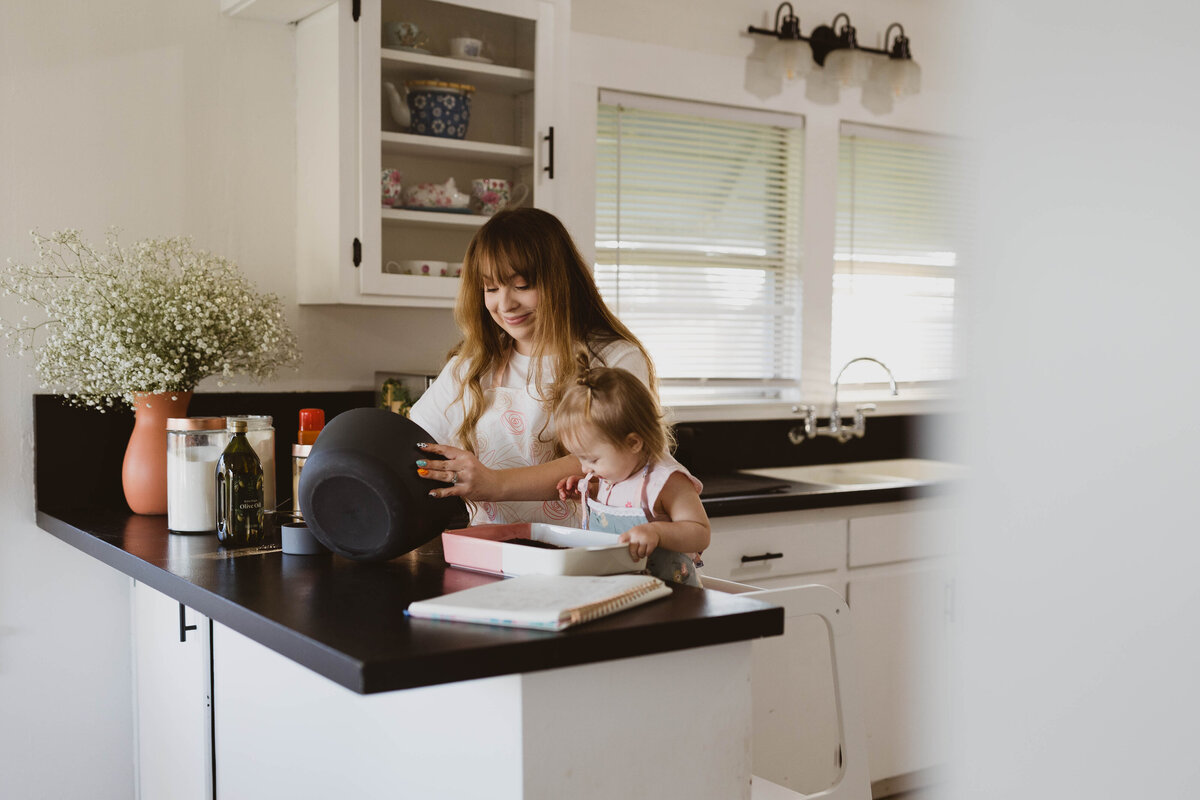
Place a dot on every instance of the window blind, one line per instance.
(901, 211)
(698, 212)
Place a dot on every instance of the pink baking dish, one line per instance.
(481, 547)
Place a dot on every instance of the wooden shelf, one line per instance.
(433, 219)
(402, 65)
(411, 144)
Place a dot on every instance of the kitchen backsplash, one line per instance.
(79, 451)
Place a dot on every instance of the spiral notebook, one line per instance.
(547, 602)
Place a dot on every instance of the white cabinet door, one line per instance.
(350, 247)
(902, 621)
(172, 658)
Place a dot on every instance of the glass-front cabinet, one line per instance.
(415, 120)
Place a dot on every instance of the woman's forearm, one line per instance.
(537, 482)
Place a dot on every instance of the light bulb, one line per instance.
(899, 77)
(797, 58)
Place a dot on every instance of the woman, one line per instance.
(529, 311)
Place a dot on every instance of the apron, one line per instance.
(506, 436)
(662, 563)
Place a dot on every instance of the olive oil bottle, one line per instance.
(240, 492)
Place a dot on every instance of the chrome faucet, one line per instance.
(836, 428)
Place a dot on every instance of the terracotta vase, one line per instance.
(144, 471)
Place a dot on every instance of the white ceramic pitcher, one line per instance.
(398, 105)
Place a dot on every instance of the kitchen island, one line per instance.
(319, 682)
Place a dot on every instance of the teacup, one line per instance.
(390, 187)
(489, 195)
(421, 266)
(466, 47)
(402, 34)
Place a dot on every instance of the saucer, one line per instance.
(480, 59)
(408, 49)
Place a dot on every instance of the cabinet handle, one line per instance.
(549, 137)
(763, 557)
(183, 626)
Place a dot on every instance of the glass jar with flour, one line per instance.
(193, 446)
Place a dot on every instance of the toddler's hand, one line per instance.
(569, 487)
(642, 541)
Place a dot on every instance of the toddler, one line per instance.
(611, 422)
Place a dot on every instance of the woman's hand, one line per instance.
(462, 474)
(568, 487)
(643, 540)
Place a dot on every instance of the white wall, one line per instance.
(1082, 606)
(163, 118)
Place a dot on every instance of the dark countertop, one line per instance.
(345, 620)
(803, 496)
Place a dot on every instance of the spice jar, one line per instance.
(193, 446)
(312, 420)
(261, 435)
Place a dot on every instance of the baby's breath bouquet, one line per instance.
(158, 316)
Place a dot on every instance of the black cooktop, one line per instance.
(733, 485)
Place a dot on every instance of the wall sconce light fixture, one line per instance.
(831, 58)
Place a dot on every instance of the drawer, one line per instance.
(887, 538)
(775, 548)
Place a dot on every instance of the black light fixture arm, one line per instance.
(899, 48)
(789, 29)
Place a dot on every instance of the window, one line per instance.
(900, 214)
(698, 213)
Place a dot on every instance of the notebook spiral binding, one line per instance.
(604, 607)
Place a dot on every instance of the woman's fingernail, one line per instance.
(422, 472)
(433, 494)
(422, 444)
(422, 463)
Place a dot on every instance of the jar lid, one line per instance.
(444, 86)
(301, 450)
(254, 422)
(312, 419)
(195, 423)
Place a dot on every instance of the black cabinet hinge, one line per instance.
(356, 10)
(357, 252)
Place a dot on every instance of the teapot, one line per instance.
(398, 105)
(436, 195)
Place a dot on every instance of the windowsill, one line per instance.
(909, 402)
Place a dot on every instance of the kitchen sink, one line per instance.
(745, 485)
(893, 472)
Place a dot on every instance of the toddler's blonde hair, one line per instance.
(616, 403)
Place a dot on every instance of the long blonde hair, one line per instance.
(572, 322)
(615, 403)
